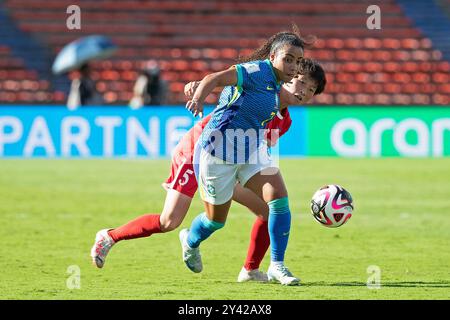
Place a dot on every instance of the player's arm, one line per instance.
(190, 88)
(207, 85)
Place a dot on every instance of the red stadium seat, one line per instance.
(400, 55)
(323, 98)
(443, 66)
(444, 88)
(175, 53)
(229, 53)
(391, 88)
(345, 77)
(382, 77)
(382, 55)
(439, 98)
(440, 77)
(210, 53)
(373, 67)
(428, 88)
(410, 88)
(391, 67)
(353, 43)
(364, 55)
(323, 55)
(391, 43)
(421, 99)
(353, 88)
(372, 88)
(420, 55)
(409, 67)
(410, 44)
(363, 99)
(402, 99)
(420, 77)
(362, 77)
(129, 75)
(199, 66)
(189, 76)
(342, 98)
(180, 65)
(188, 40)
(382, 99)
(335, 43)
(372, 43)
(352, 67)
(345, 55)
(400, 77)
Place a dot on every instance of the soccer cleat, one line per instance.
(101, 247)
(280, 273)
(191, 256)
(252, 275)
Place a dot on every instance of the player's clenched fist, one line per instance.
(190, 88)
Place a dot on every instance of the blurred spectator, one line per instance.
(150, 89)
(83, 91)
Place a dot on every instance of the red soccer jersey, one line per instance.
(281, 122)
(182, 176)
(187, 143)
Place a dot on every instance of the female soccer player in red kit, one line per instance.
(182, 184)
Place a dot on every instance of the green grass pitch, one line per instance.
(50, 211)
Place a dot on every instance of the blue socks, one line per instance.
(201, 229)
(279, 226)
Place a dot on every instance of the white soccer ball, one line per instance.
(332, 206)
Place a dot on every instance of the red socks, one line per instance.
(142, 226)
(259, 243)
(148, 224)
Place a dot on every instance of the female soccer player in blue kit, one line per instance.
(228, 149)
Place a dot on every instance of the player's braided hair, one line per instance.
(278, 41)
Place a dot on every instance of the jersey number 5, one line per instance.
(185, 178)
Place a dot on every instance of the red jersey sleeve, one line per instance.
(282, 124)
(187, 143)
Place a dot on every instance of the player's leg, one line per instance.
(202, 227)
(269, 186)
(249, 199)
(259, 238)
(216, 183)
(180, 186)
(175, 208)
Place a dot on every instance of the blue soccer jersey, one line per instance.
(236, 126)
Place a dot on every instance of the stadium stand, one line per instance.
(403, 63)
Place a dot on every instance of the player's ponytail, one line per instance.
(278, 41)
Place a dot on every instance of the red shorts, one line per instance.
(182, 176)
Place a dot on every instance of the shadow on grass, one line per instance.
(393, 284)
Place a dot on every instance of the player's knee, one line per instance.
(168, 225)
(213, 225)
(263, 214)
(279, 205)
(279, 194)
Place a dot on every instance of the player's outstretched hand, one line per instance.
(195, 107)
(190, 88)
